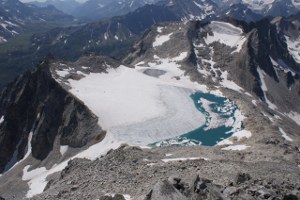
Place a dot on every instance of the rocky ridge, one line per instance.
(35, 103)
(150, 174)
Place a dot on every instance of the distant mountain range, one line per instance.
(112, 36)
(67, 6)
(15, 17)
(100, 9)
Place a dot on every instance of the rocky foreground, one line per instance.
(183, 174)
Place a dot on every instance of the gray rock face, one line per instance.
(115, 197)
(36, 103)
(163, 190)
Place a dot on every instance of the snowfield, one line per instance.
(227, 34)
(138, 109)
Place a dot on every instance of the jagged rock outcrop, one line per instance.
(36, 103)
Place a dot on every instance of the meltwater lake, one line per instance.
(221, 122)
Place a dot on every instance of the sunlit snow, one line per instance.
(227, 34)
(183, 159)
(236, 147)
(1, 120)
(37, 178)
(264, 88)
(161, 39)
(63, 149)
(139, 109)
(285, 135)
(294, 48)
(294, 116)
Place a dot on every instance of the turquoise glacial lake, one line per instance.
(220, 124)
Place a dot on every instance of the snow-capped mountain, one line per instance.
(192, 10)
(14, 16)
(241, 12)
(269, 7)
(67, 6)
(273, 7)
(262, 7)
(102, 36)
(65, 111)
(100, 9)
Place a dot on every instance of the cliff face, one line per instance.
(36, 103)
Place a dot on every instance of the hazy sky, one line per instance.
(45, 0)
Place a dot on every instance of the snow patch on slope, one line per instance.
(63, 149)
(229, 84)
(294, 116)
(28, 152)
(294, 48)
(238, 136)
(161, 39)
(239, 147)
(37, 178)
(1, 120)
(183, 159)
(282, 66)
(285, 135)
(13, 162)
(264, 88)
